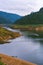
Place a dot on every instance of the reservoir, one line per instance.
(26, 47)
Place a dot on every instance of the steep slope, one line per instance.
(8, 17)
(33, 18)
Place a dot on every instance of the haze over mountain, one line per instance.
(8, 17)
(33, 18)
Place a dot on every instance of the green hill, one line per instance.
(8, 18)
(4, 21)
(33, 18)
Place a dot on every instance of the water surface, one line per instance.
(26, 47)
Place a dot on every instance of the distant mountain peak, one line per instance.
(41, 10)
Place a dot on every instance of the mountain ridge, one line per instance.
(8, 17)
(33, 18)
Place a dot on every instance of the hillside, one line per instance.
(6, 35)
(4, 21)
(7, 18)
(33, 18)
(7, 60)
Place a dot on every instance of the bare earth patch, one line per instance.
(8, 60)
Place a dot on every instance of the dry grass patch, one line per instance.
(13, 61)
(5, 35)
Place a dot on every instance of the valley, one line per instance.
(22, 39)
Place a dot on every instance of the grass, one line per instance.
(28, 27)
(1, 63)
(17, 25)
(38, 29)
(8, 60)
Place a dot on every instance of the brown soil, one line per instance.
(13, 61)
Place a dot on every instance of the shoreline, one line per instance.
(28, 27)
(6, 35)
(8, 60)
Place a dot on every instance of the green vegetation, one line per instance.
(38, 29)
(32, 22)
(1, 63)
(8, 18)
(4, 21)
(34, 18)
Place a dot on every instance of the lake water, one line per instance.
(26, 47)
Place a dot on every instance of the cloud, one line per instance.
(21, 7)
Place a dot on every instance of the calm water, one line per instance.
(26, 47)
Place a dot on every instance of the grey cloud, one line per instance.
(21, 7)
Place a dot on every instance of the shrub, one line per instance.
(1, 63)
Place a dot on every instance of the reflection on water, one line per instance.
(28, 47)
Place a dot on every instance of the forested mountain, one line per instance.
(8, 17)
(33, 18)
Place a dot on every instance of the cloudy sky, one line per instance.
(21, 7)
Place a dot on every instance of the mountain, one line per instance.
(33, 18)
(8, 17)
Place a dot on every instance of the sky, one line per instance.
(20, 7)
